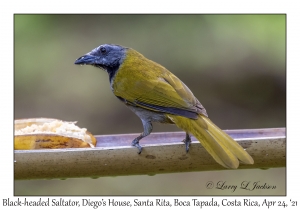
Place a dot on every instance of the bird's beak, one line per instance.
(86, 59)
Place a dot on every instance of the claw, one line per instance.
(187, 142)
(136, 144)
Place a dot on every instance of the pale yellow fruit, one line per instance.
(46, 133)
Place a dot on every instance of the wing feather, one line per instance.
(151, 86)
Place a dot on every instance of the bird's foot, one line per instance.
(187, 142)
(135, 143)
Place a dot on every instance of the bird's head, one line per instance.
(107, 56)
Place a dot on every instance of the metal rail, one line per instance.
(162, 153)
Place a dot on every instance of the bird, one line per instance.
(155, 94)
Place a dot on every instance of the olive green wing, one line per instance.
(159, 91)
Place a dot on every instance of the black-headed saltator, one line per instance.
(154, 94)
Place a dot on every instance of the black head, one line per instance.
(107, 56)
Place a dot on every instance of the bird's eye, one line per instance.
(103, 50)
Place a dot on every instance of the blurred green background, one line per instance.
(234, 64)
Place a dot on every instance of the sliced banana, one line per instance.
(47, 133)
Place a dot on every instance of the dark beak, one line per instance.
(86, 59)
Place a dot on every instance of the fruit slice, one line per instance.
(46, 133)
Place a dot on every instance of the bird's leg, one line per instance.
(187, 142)
(147, 130)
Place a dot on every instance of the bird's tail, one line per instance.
(220, 146)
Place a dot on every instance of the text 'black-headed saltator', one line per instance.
(154, 94)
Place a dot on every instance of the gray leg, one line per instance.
(187, 142)
(147, 130)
